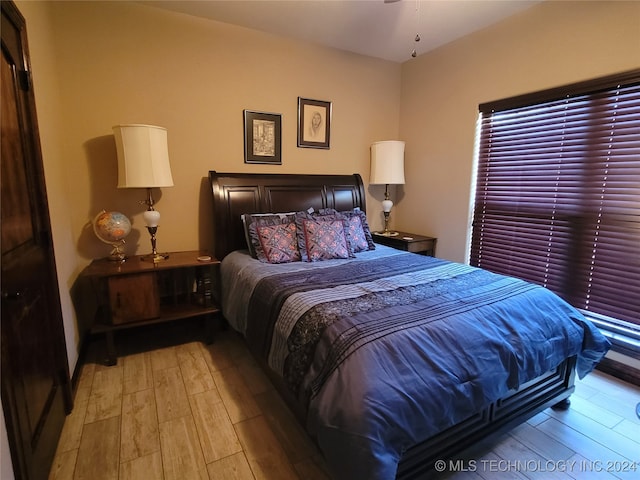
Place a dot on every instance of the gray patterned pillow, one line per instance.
(248, 219)
(358, 230)
(322, 237)
(274, 240)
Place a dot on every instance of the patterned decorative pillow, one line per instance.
(322, 237)
(274, 239)
(358, 230)
(249, 218)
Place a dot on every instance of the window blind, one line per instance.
(558, 193)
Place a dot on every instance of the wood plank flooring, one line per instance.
(175, 408)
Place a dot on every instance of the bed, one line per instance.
(391, 360)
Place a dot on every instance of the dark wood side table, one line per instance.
(409, 242)
(138, 292)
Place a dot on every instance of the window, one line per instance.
(558, 194)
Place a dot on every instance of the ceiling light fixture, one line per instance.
(414, 53)
(416, 39)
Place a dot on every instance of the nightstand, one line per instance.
(138, 292)
(409, 242)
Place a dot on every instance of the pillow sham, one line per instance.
(322, 237)
(358, 231)
(248, 219)
(274, 239)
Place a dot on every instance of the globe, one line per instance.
(112, 228)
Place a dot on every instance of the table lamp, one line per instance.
(387, 167)
(143, 162)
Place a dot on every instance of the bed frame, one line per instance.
(238, 193)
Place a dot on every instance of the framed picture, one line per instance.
(314, 123)
(262, 137)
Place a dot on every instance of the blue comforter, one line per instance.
(388, 349)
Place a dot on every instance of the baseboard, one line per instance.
(620, 370)
(77, 370)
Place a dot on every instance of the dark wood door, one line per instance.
(36, 393)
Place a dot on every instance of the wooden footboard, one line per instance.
(531, 398)
(548, 390)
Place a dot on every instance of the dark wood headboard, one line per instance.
(238, 193)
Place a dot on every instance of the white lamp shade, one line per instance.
(143, 156)
(387, 162)
(151, 218)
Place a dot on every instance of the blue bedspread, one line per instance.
(390, 348)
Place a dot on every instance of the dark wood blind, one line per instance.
(558, 193)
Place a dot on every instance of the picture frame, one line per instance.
(314, 123)
(262, 137)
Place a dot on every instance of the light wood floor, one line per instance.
(175, 408)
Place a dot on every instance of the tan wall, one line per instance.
(121, 62)
(551, 44)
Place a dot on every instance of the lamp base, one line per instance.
(387, 233)
(386, 210)
(155, 257)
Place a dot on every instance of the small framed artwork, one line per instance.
(262, 137)
(314, 123)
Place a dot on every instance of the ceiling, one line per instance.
(378, 28)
